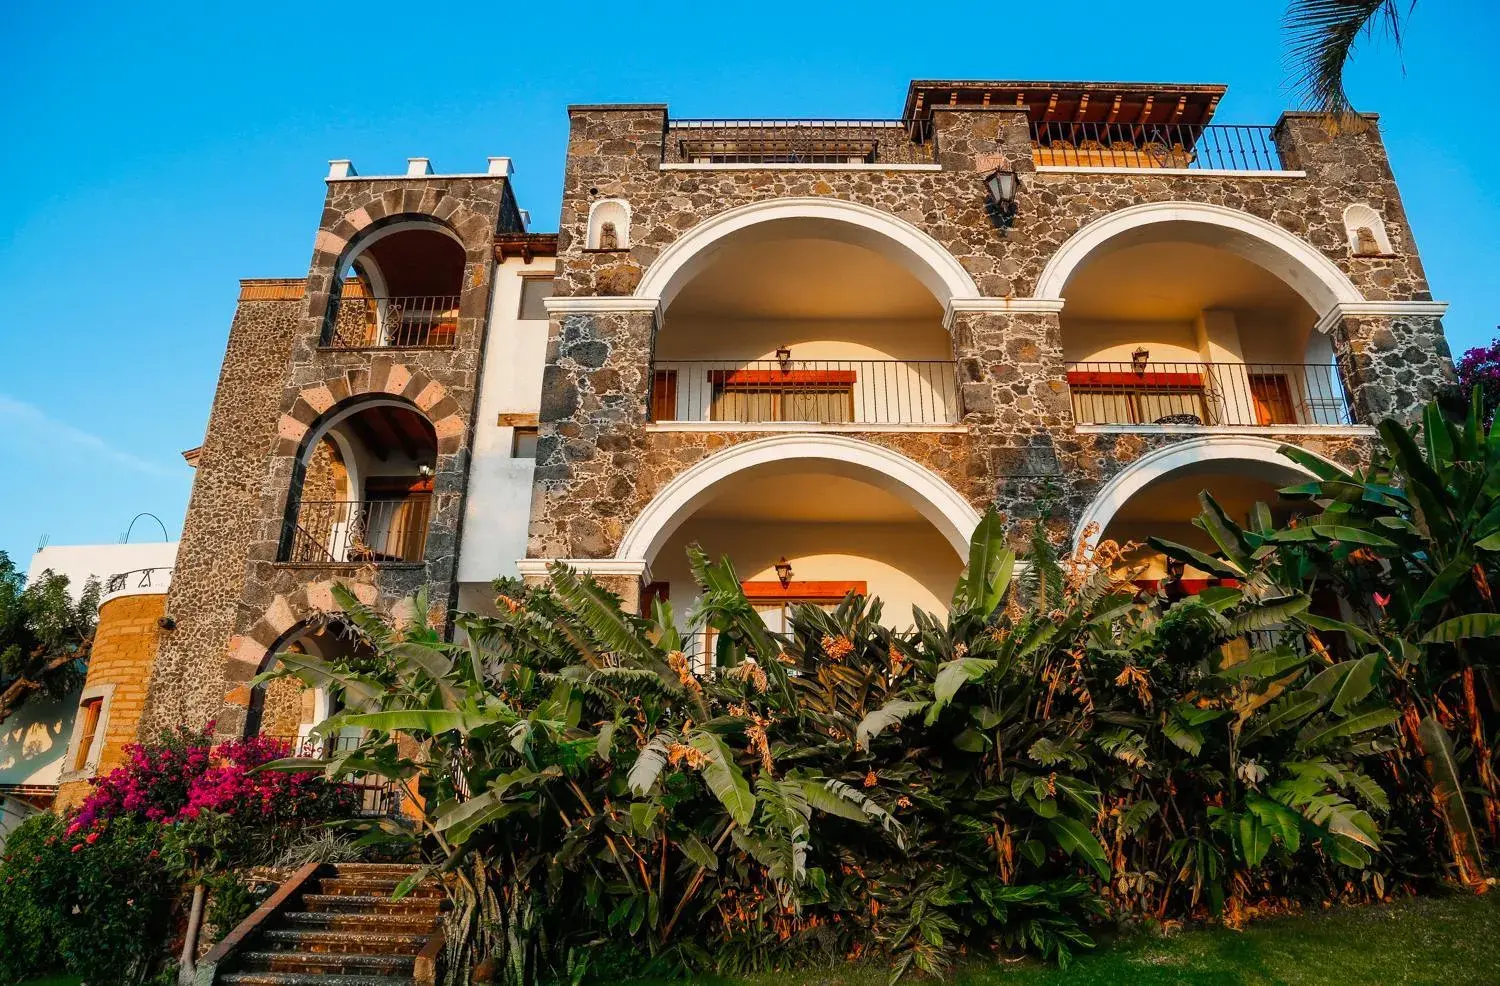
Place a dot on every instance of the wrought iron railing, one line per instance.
(140, 578)
(875, 392)
(411, 322)
(358, 531)
(780, 142)
(1200, 147)
(1255, 394)
(378, 796)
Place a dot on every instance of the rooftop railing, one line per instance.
(783, 142)
(758, 392)
(334, 532)
(409, 322)
(1246, 394)
(1193, 146)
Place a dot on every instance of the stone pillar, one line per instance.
(1392, 363)
(968, 138)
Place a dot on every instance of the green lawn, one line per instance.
(1448, 940)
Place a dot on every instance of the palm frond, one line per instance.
(1322, 37)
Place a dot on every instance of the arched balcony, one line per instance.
(362, 488)
(798, 323)
(399, 287)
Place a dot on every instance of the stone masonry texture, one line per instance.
(598, 464)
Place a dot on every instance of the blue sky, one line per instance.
(153, 154)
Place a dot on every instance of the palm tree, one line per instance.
(1323, 34)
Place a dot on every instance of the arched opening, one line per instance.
(286, 708)
(1196, 315)
(844, 515)
(806, 313)
(362, 486)
(399, 286)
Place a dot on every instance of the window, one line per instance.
(534, 290)
(1273, 399)
(523, 442)
(664, 395)
(90, 712)
(1137, 398)
(782, 395)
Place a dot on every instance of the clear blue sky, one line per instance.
(152, 155)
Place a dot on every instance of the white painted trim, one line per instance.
(591, 235)
(1394, 309)
(90, 767)
(956, 306)
(804, 427)
(468, 174)
(896, 238)
(537, 567)
(1064, 169)
(1329, 430)
(690, 166)
(161, 582)
(948, 511)
(1290, 258)
(1156, 464)
(574, 304)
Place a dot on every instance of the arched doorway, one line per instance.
(398, 285)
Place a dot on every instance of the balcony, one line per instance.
(359, 321)
(336, 532)
(799, 142)
(1207, 394)
(810, 393)
(1177, 146)
(137, 582)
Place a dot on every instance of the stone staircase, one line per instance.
(337, 927)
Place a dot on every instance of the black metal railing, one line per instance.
(875, 392)
(378, 796)
(774, 142)
(1256, 394)
(411, 322)
(359, 531)
(140, 578)
(1200, 147)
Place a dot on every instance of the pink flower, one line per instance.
(1382, 600)
(91, 838)
(78, 847)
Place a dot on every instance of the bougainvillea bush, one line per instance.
(1478, 368)
(96, 893)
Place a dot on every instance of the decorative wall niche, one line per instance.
(609, 225)
(1366, 232)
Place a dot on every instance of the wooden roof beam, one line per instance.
(1181, 107)
(1083, 107)
(1114, 109)
(392, 420)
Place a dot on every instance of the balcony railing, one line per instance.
(331, 532)
(412, 322)
(1255, 394)
(140, 580)
(378, 796)
(1195, 146)
(869, 392)
(780, 142)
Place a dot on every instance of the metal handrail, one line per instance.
(1194, 146)
(1194, 393)
(832, 391)
(334, 532)
(378, 796)
(780, 142)
(406, 322)
(137, 578)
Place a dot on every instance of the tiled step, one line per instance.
(286, 939)
(354, 921)
(371, 904)
(307, 979)
(363, 886)
(327, 963)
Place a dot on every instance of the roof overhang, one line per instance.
(1083, 102)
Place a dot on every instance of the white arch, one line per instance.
(880, 231)
(929, 495)
(1170, 458)
(1290, 258)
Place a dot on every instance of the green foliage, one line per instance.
(44, 635)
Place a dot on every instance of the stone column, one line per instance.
(969, 137)
(1392, 362)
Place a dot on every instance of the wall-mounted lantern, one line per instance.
(784, 572)
(1139, 359)
(784, 355)
(1001, 186)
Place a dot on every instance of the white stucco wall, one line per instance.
(79, 562)
(497, 508)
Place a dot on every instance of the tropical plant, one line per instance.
(1323, 34)
(45, 635)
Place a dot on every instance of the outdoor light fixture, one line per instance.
(425, 471)
(1139, 359)
(1002, 185)
(784, 355)
(784, 572)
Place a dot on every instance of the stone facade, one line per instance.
(278, 385)
(598, 464)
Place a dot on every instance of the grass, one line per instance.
(1447, 939)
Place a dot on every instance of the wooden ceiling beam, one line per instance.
(1114, 109)
(397, 425)
(1181, 107)
(372, 443)
(1083, 107)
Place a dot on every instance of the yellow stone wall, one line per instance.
(124, 650)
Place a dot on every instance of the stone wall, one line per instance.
(235, 600)
(125, 647)
(598, 465)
